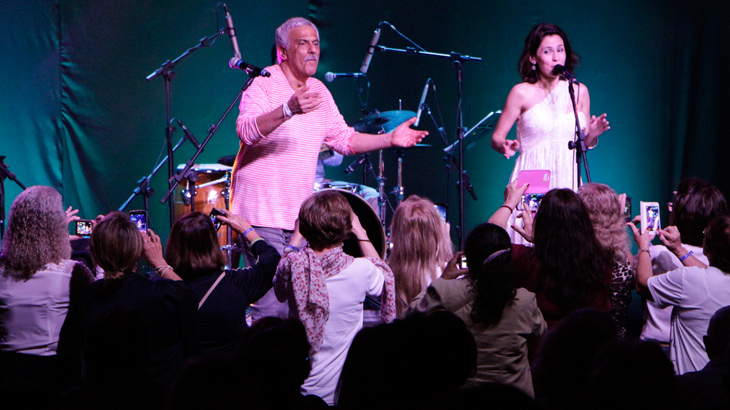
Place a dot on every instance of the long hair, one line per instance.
(607, 218)
(421, 245)
(717, 243)
(532, 43)
(696, 204)
(192, 248)
(491, 278)
(37, 233)
(116, 245)
(574, 268)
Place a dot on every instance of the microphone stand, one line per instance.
(579, 143)
(168, 74)
(5, 173)
(457, 60)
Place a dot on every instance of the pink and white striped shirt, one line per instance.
(274, 174)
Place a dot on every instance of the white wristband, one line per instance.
(287, 112)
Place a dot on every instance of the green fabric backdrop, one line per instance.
(77, 113)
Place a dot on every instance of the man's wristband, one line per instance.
(286, 110)
(686, 256)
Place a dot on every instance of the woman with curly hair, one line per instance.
(38, 281)
(567, 268)
(605, 208)
(421, 248)
(503, 318)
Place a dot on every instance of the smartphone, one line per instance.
(213, 218)
(139, 218)
(441, 208)
(83, 228)
(650, 220)
(627, 210)
(532, 201)
(462, 263)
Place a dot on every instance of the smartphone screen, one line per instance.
(139, 218)
(213, 218)
(532, 201)
(462, 263)
(83, 228)
(650, 217)
(441, 208)
(627, 209)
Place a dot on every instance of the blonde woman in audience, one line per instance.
(605, 209)
(421, 248)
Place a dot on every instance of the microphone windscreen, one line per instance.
(329, 76)
(558, 69)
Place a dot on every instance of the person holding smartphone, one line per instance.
(542, 108)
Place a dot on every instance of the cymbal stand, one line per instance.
(382, 196)
(398, 190)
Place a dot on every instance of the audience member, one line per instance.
(565, 359)
(695, 292)
(606, 211)
(695, 204)
(168, 308)
(326, 287)
(223, 295)
(421, 248)
(413, 363)
(705, 389)
(632, 375)
(502, 318)
(567, 268)
(275, 353)
(38, 282)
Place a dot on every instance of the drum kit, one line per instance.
(212, 189)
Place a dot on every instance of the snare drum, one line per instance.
(369, 220)
(344, 186)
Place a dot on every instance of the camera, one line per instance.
(139, 219)
(83, 228)
(650, 220)
(214, 218)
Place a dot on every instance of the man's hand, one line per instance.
(405, 136)
(302, 101)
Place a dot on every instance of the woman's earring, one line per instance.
(534, 67)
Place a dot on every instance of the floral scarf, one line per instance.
(308, 273)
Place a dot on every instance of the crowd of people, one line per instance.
(539, 322)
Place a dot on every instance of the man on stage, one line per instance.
(283, 121)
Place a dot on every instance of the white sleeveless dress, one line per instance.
(544, 132)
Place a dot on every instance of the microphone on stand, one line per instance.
(232, 33)
(330, 76)
(251, 69)
(560, 70)
(188, 134)
(371, 50)
(422, 103)
(362, 158)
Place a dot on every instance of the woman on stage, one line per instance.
(541, 106)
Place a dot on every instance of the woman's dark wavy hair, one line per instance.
(696, 204)
(717, 243)
(192, 248)
(491, 282)
(574, 267)
(532, 43)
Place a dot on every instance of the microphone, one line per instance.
(421, 104)
(188, 134)
(330, 76)
(371, 50)
(560, 70)
(232, 33)
(251, 69)
(362, 158)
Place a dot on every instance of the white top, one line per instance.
(544, 132)
(33, 311)
(696, 294)
(347, 291)
(656, 319)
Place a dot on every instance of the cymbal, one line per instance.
(382, 121)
